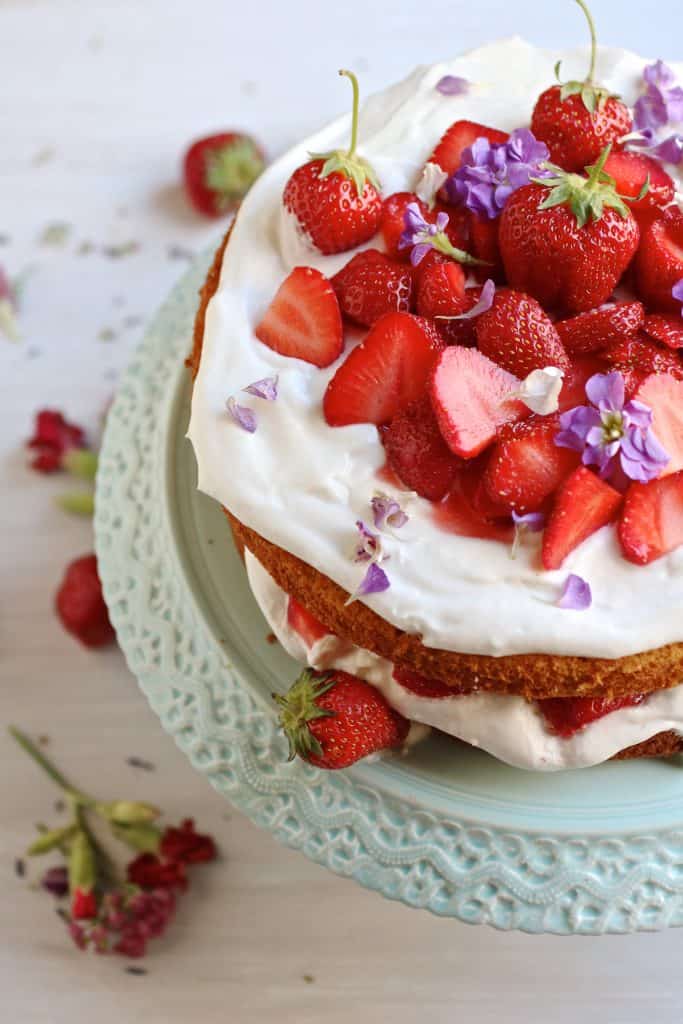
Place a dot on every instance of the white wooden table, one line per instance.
(97, 101)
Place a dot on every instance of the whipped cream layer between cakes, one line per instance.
(302, 484)
(508, 727)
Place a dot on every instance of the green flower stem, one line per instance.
(594, 40)
(60, 780)
(442, 243)
(354, 114)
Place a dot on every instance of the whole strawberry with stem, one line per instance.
(567, 239)
(219, 170)
(577, 119)
(335, 197)
(335, 719)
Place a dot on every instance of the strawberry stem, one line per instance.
(354, 110)
(594, 40)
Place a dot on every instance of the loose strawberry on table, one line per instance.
(518, 335)
(335, 197)
(335, 719)
(80, 604)
(568, 241)
(219, 170)
(303, 320)
(383, 374)
(578, 119)
(659, 262)
(651, 523)
(371, 285)
(584, 503)
(417, 452)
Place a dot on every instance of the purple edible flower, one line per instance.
(576, 594)
(419, 233)
(677, 292)
(368, 545)
(387, 511)
(265, 389)
(609, 428)
(660, 106)
(374, 582)
(530, 522)
(451, 85)
(242, 416)
(491, 171)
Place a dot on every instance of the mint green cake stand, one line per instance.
(446, 828)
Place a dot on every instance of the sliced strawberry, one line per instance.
(567, 715)
(573, 391)
(471, 398)
(392, 224)
(473, 487)
(384, 373)
(458, 227)
(652, 519)
(664, 395)
(526, 466)
(659, 261)
(637, 357)
(422, 686)
(303, 320)
(599, 328)
(302, 622)
(583, 504)
(371, 285)
(456, 514)
(460, 135)
(517, 334)
(668, 330)
(417, 452)
(631, 171)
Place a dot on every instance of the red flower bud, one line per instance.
(53, 437)
(149, 872)
(83, 904)
(185, 846)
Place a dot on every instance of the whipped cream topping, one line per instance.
(302, 484)
(509, 727)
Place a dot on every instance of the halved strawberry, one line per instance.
(460, 135)
(668, 330)
(567, 715)
(417, 452)
(302, 622)
(422, 686)
(659, 261)
(371, 285)
(384, 373)
(473, 487)
(471, 398)
(637, 357)
(456, 514)
(651, 523)
(526, 466)
(630, 172)
(583, 504)
(303, 320)
(392, 226)
(664, 395)
(599, 328)
(517, 334)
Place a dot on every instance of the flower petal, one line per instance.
(387, 511)
(606, 390)
(265, 389)
(576, 594)
(243, 417)
(452, 85)
(374, 581)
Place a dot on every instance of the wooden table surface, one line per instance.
(98, 100)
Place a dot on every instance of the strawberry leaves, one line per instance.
(586, 197)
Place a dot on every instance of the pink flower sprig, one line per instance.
(109, 913)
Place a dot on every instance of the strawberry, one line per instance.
(473, 488)
(80, 604)
(525, 465)
(637, 357)
(384, 373)
(457, 138)
(334, 719)
(568, 242)
(417, 452)
(659, 261)
(470, 396)
(457, 514)
(422, 686)
(631, 172)
(371, 285)
(651, 523)
(302, 622)
(392, 224)
(440, 289)
(455, 331)
(589, 332)
(303, 320)
(484, 244)
(518, 335)
(663, 394)
(583, 504)
(567, 715)
(335, 196)
(576, 120)
(53, 438)
(573, 391)
(219, 170)
(668, 330)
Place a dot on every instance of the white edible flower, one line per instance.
(540, 391)
(433, 177)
